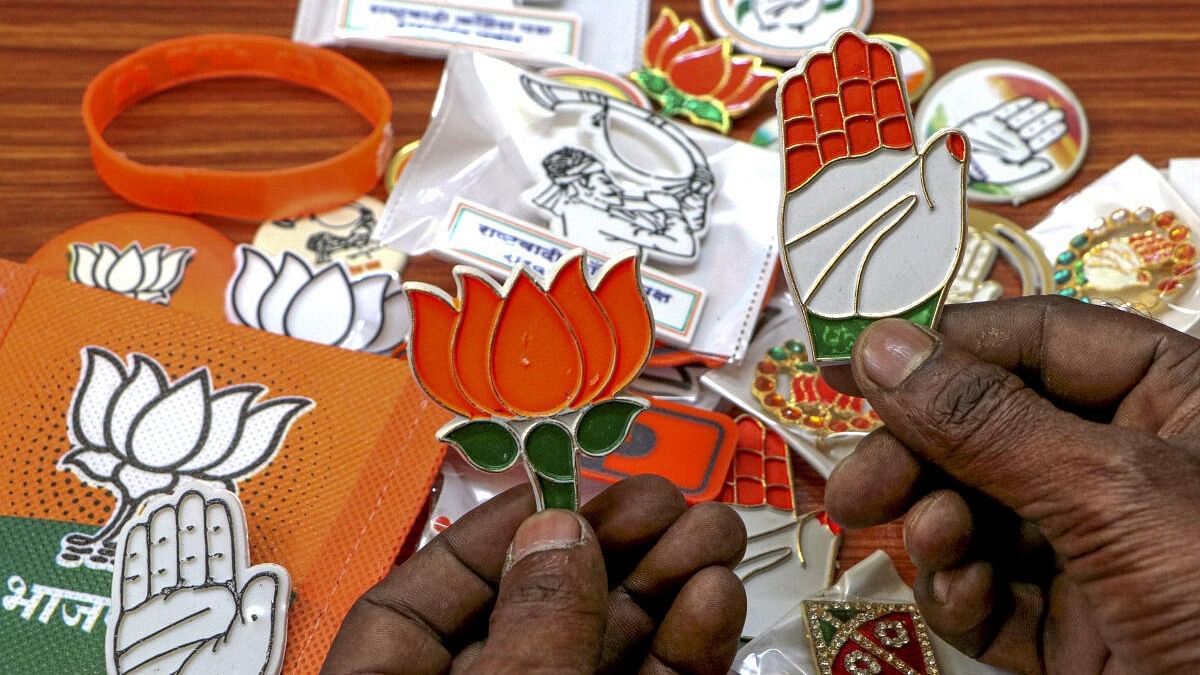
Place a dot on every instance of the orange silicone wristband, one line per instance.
(253, 195)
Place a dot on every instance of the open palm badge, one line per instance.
(871, 226)
(533, 368)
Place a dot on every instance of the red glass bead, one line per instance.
(1178, 233)
(767, 367)
(774, 400)
(1165, 219)
(764, 384)
(791, 413)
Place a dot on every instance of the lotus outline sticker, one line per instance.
(534, 367)
(321, 305)
(150, 274)
(184, 596)
(599, 192)
(137, 433)
(870, 227)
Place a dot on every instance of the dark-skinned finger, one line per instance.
(552, 603)
(938, 531)
(840, 378)
(1084, 355)
(707, 535)
(629, 517)
(700, 633)
(1072, 643)
(964, 605)
(875, 484)
(982, 425)
(401, 624)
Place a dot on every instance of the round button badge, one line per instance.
(346, 233)
(782, 31)
(1028, 130)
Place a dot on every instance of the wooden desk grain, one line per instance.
(1132, 63)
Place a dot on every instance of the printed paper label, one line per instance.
(496, 241)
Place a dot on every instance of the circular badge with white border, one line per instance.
(915, 64)
(1028, 130)
(782, 31)
(346, 233)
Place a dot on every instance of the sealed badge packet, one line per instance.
(106, 402)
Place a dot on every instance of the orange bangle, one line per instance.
(253, 195)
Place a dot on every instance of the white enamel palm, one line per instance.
(151, 274)
(186, 601)
(320, 305)
(875, 236)
(1006, 140)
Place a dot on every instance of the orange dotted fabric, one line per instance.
(334, 505)
(847, 102)
(761, 472)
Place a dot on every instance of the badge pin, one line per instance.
(809, 402)
(631, 179)
(1028, 130)
(916, 65)
(701, 80)
(861, 638)
(784, 31)
(533, 368)
(1139, 260)
(789, 555)
(346, 233)
(871, 227)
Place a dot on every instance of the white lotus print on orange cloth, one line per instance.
(150, 274)
(871, 227)
(318, 304)
(136, 433)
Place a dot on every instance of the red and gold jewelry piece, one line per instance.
(810, 403)
(866, 638)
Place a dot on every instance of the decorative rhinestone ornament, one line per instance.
(1140, 259)
(853, 638)
(810, 403)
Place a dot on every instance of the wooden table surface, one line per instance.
(1132, 63)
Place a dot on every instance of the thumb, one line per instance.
(552, 605)
(984, 427)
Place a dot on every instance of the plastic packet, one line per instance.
(607, 35)
(877, 618)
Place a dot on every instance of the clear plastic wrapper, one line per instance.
(607, 35)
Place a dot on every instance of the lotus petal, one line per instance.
(570, 292)
(368, 311)
(170, 429)
(273, 308)
(137, 483)
(397, 321)
(98, 465)
(152, 259)
(472, 342)
(262, 434)
(699, 71)
(619, 293)
(323, 309)
(172, 269)
(228, 412)
(83, 262)
(102, 374)
(659, 32)
(146, 382)
(253, 278)
(433, 319)
(104, 264)
(127, 272)
(685, 36)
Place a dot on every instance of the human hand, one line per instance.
(636, 582)
(1045, 452)
(1006, 139)
(188, 603)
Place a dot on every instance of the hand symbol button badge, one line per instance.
(184, 597)
(871, 227)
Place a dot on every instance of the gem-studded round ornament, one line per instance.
(1028, 130)
(783, 31)
(791, 388)
(1141, 260)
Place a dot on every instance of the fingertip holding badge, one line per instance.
(185, 594)
(870, 226)
(1028, 130)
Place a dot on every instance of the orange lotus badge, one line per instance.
(701, 80)
(533, 367)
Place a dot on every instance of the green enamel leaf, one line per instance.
(827, 630)
(604, 428)
(843, 614)
(707, 111)
(651, 81)
(550, 451)
(742, 9)
(489, 446)
(557, 495)
(833, 5)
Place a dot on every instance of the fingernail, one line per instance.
(550, 529)
(941, 586)
(892, 349)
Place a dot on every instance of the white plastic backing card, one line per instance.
(607, 35)
(515, 168)
(1132, 184)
